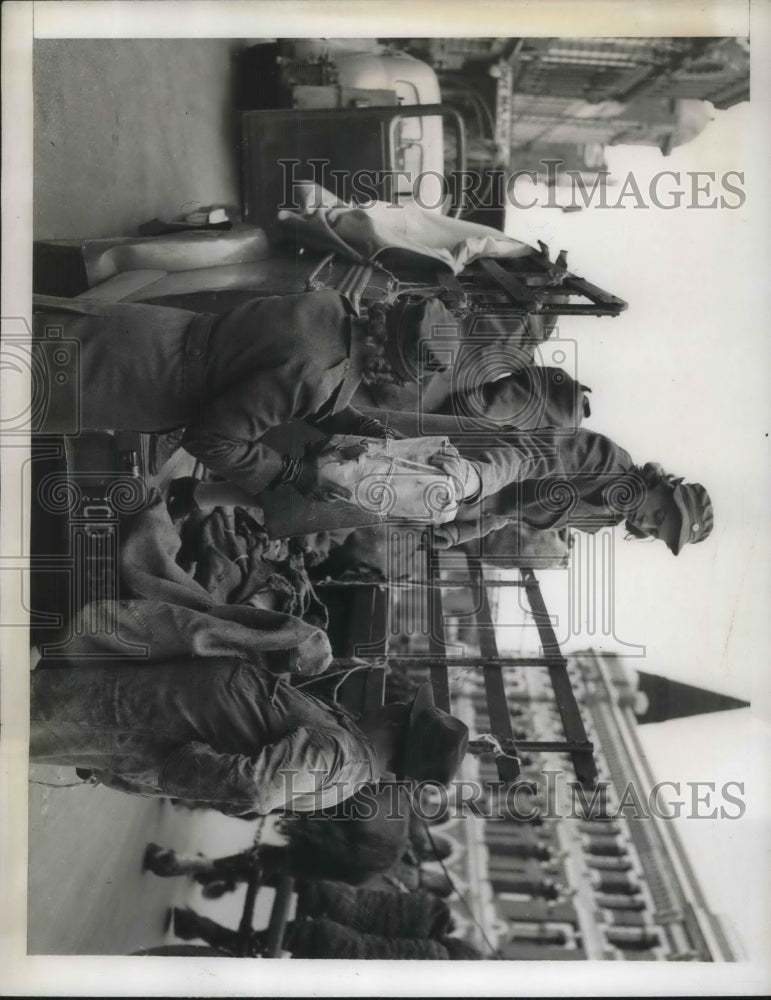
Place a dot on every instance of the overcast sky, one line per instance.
(682, 378)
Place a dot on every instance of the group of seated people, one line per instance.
(231, 379)
(205, 714)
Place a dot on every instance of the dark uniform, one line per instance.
(218, 732)
(230, 379)
(549, 480)
(227, 379)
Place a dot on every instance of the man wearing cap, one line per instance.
(230, 735)
(583, 480)
(227, 379)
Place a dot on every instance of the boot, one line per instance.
(184, 923)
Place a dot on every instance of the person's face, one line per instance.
(657, 516)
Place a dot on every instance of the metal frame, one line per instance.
(492, 665)
(546, 280)
(284, 128)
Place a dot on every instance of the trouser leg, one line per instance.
(167, 863)
(189, 925)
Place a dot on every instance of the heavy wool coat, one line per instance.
(550, 480)
(389, 914)
(227, 379)
(319, 937)
(216, 732)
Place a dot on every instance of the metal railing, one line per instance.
(492, 665)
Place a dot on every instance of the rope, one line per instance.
(455, 889)
(257, 841)
(342, 674)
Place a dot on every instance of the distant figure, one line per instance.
(338, 845)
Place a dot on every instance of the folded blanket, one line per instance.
(228, 553)
(404, 230)
(169, 615)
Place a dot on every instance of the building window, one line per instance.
(632, 938)
(537, 933)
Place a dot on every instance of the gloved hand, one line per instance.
(445, 536)
(462, 473)
(302, 473)
(370, 427)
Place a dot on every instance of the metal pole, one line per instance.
(477, 662)
(245, 926)
(279, 916)
(412, 585)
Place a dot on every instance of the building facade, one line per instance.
(569, 98)
(557, 875)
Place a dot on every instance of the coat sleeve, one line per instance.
(158, 631)
(477, 527)
(352, 421)
(297, 772)
(226, 436)
(515, 458)
(280, 361)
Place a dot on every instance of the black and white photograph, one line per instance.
(384, 560)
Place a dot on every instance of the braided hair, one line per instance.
(376, 368)
(384, 319)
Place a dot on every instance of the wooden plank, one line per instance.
(554, 746)
(474, 581)
(579, 309)
(469, 662)
(488, 645)
(445, 584)
(436, 639)
(598, 295)
(495, 690)
(549, 642)
(572, 722)
(517, 290)
(247, 917)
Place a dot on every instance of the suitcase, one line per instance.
(83, 489)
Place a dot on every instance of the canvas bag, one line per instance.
(391, 478)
